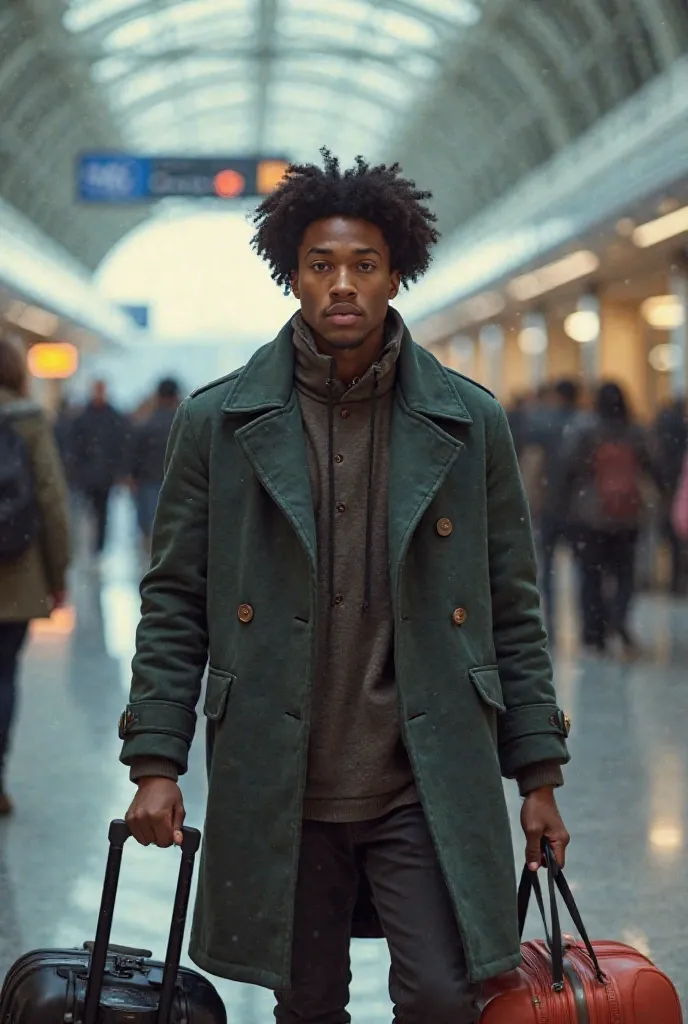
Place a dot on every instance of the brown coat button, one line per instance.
(245, 613)
(444, 527)
(459, 617)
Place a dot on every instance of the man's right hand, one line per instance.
(157, 812)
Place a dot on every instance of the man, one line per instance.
(149, 442)
(98, 445)
(550, 424)
(342, 532)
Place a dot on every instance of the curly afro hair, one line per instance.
(376, 194)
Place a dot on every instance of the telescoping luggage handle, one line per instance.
(555, 880)
(118, 835)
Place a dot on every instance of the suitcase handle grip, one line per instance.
(130, 951)
(118, 834)
(555, 880)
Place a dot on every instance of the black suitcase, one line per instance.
(103, 984)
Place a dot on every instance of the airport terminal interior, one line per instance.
(136, 138)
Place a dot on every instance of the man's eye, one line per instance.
(320, 265)
(366, 267)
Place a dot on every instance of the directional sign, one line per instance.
(139, 314)
(126, 178)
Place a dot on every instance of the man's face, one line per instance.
(344, 281)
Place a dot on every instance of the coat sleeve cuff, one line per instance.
(157, 729)
(532, 734)
(153, 767)
(538, 776)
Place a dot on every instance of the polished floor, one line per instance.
(625, 799)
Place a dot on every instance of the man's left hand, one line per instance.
(540, 817)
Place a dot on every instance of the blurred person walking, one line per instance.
(34, 530)
(342, 535)
(149, 443)
(99, 439)
(670, 437)
(548, 426)
(606, 463)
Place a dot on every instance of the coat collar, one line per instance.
(267, 381)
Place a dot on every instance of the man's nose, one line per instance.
(343, 283)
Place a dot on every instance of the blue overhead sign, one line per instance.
(113, 178)
(125, 178)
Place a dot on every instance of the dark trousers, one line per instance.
(550, 535)
(605, 558)
(12, 636)
(98, 498)
(428, 980)
(147, 495)
(677, 550)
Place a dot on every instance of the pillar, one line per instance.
(679, 334)
(462, 355)
(534, 343)
(491, 343)
(622, 352)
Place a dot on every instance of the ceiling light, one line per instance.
(663, 312)
(583, 326)
(666, 837)
(659, 230)
(532, 341)
(625, 227)
(668, 205)
(665, 358)
(553, 275)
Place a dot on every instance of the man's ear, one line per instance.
(394, 284)
(294, 284)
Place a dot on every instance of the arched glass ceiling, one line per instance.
(265, 76)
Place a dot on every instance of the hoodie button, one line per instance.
(345, 414)
(245, 613)
(444, 527)
(339, 459)
(459, 616)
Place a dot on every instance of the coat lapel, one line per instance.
(274, 442)
(421, 452)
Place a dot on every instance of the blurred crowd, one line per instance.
(101, 447)
(46, 471)
(598, 483)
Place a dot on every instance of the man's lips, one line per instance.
(343, 313)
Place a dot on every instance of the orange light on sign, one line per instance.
(53, 361)
(229, 184)
(270, 173)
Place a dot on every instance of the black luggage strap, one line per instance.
(555, 880)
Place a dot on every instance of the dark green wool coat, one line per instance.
(235, 528)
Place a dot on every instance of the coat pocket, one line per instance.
(217, 694)
(488, 684)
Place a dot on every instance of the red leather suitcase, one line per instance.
(566, 981)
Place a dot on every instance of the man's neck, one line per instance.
(354, 363)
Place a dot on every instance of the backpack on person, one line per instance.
(617, 480)
(18, 514)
